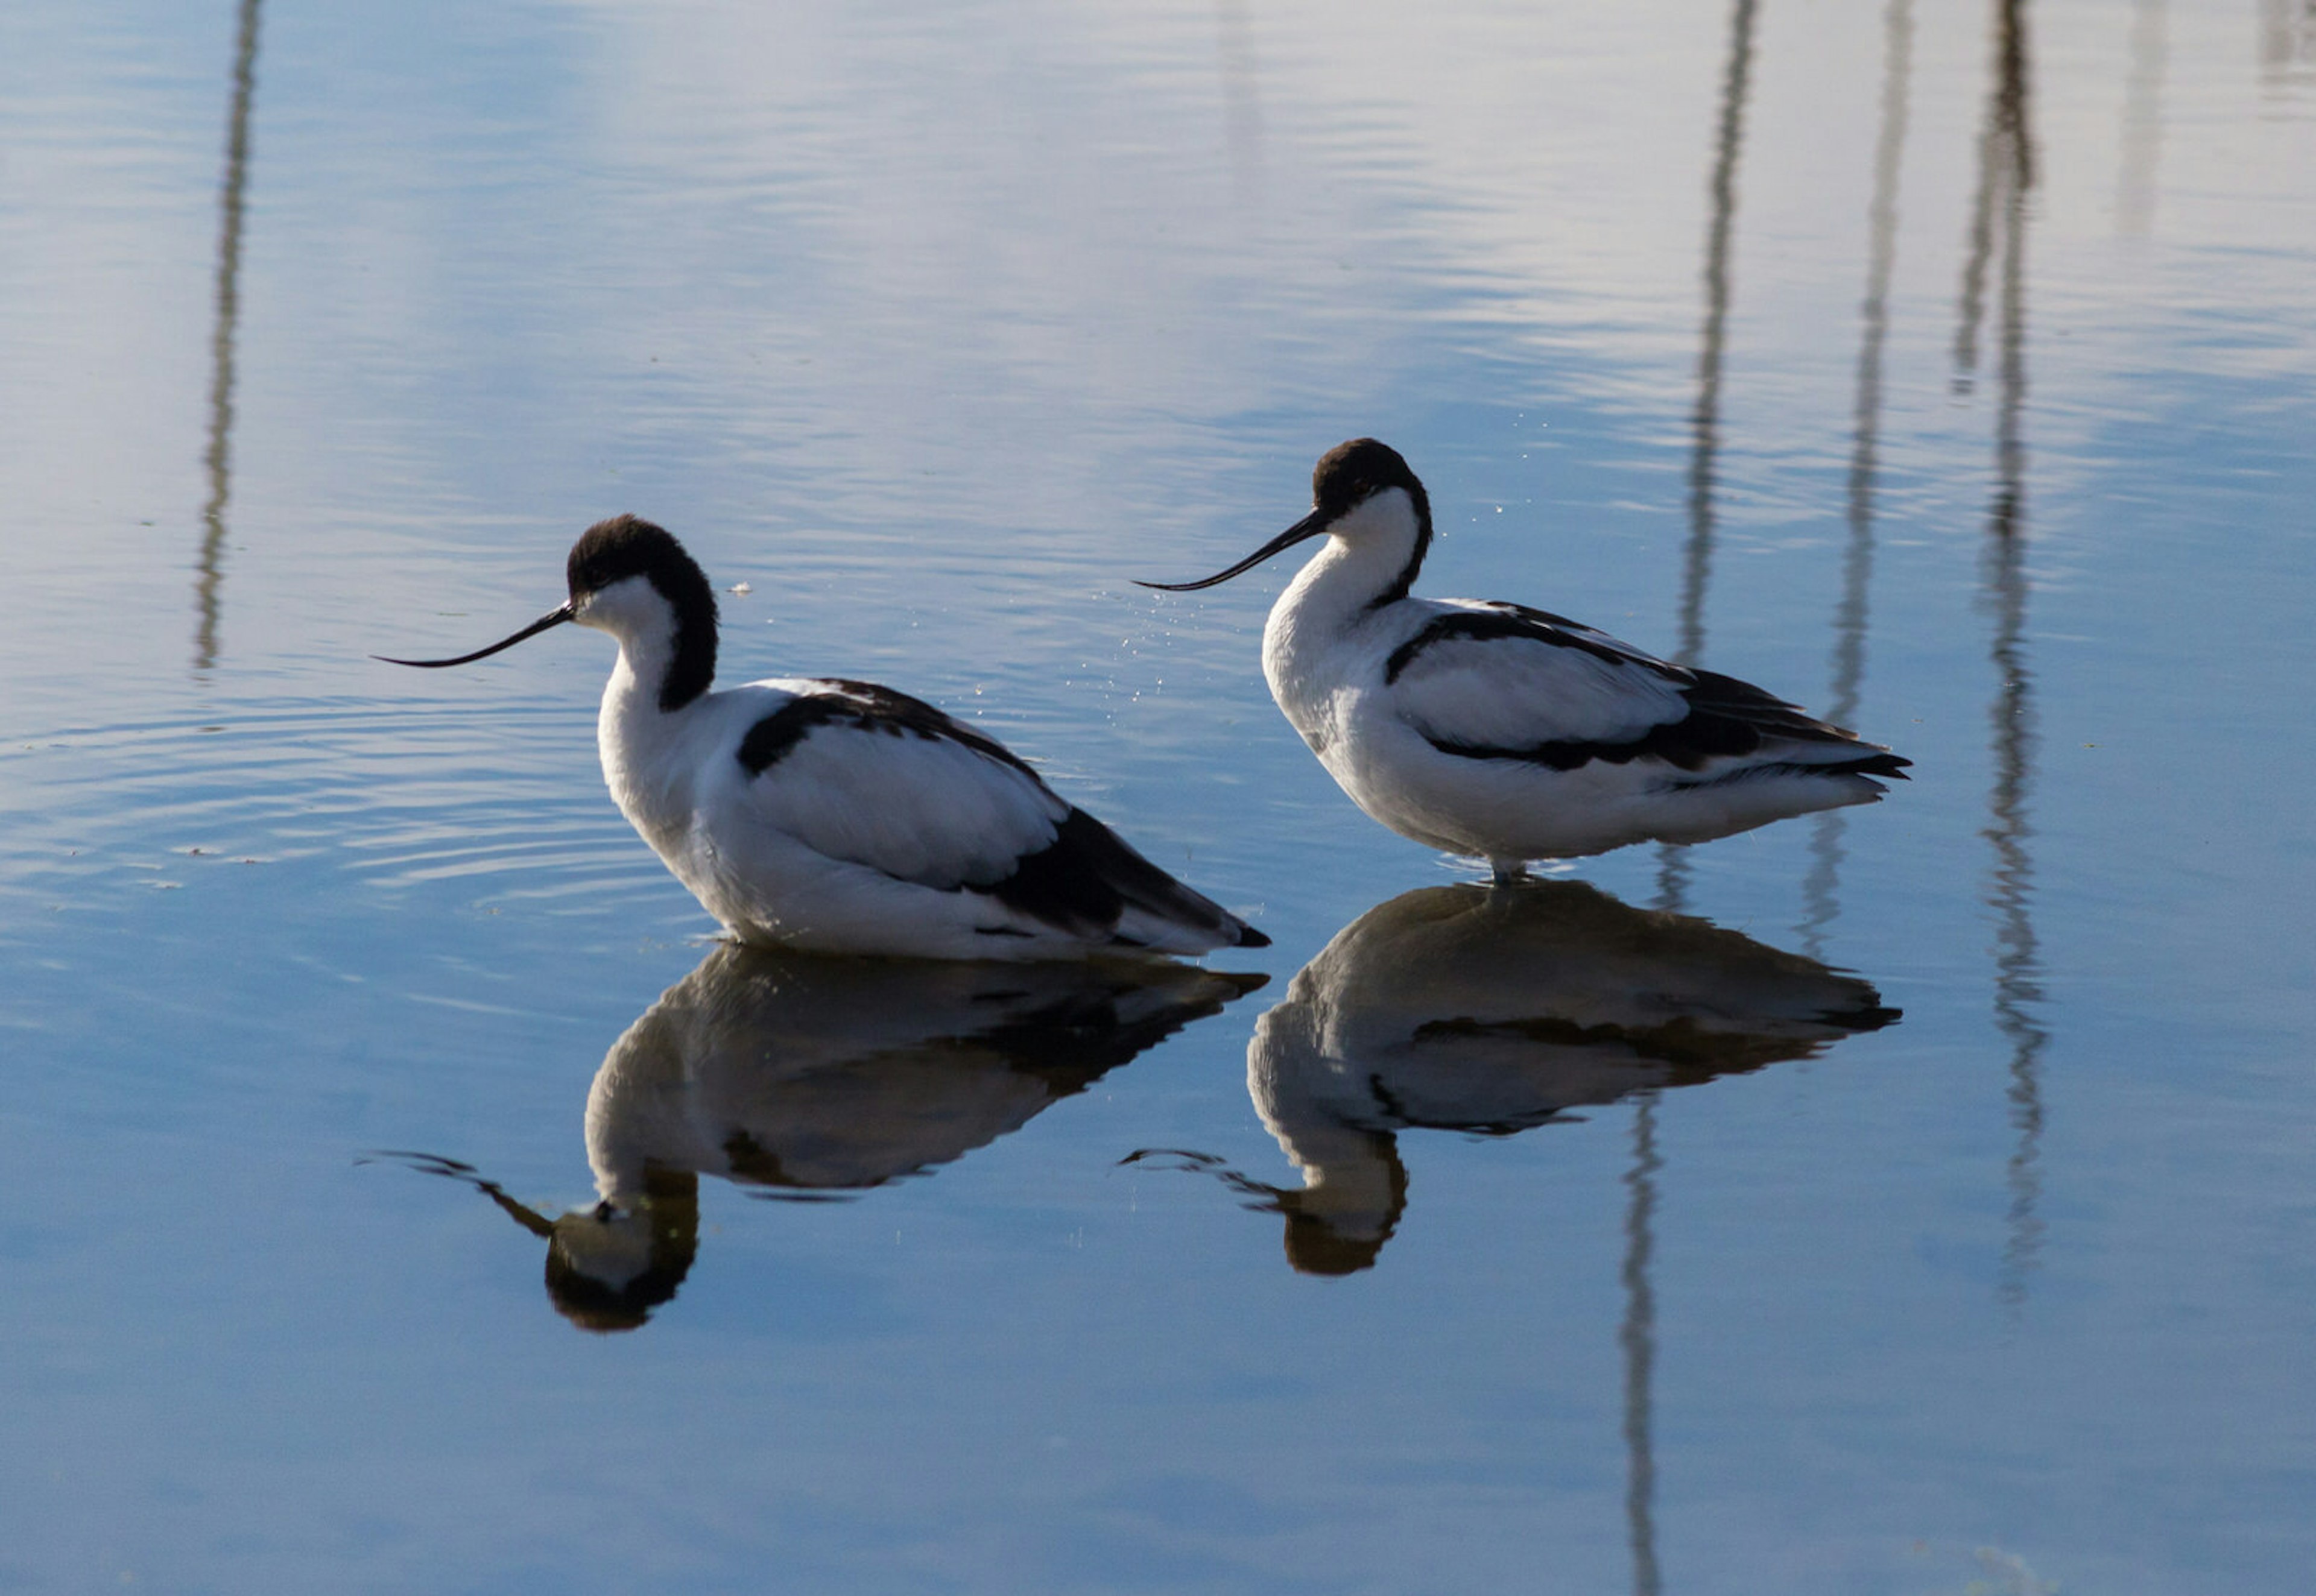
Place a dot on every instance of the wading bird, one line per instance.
(1504, 733)
(840, 816)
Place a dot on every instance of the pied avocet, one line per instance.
(841, 816)
(1504, 733)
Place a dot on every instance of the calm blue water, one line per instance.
(1948, 366)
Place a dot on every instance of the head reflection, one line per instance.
(809, 1077)
(1492, 1011)
(608, 1267)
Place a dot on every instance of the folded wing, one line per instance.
(863, 773)
(1503, 681)
(860, 773)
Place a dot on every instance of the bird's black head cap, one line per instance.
(1350, 474)
(625, 545)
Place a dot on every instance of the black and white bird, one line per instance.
(840, 816)
(1504, 733)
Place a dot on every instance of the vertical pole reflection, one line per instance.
(2287, 40)
(2143, 121)
(1672, 878)
(1637, 1336)
(1704, 419)
(208, 569)
(2006, 174)
(1242, 98)
(1820, 886)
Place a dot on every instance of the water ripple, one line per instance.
(503, 796)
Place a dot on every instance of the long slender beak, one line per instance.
(1310, 525)
(553, 618)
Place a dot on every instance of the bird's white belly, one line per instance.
(1333, 689)
(1506, 809)
(766, 886)
(763, 884)
(1498, 809)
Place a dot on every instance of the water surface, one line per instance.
(1911, 1199)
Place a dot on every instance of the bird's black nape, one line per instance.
(624, 545)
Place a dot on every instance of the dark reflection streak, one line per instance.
(1638, 1338)
(1980, 248)
(218, 459)
(2005, 172)
(1242, 98)
(2016, 959)
(1672, 878)
(1819, 888)
(2287, 40)
(1705, 421)
(2143, 121)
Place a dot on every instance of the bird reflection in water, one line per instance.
(808, 1077)
(1492, 1011)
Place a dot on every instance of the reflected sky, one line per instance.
(1946, 364)
(1497, 1010)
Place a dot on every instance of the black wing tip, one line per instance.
(1249, 938)
(1892, 766)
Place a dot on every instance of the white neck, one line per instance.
(1311, 1103)
(636, 738)
(1349, 1174)
(643, 1067)
(1365, 555)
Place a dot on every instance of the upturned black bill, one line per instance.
(1310, 525)
(553, 618)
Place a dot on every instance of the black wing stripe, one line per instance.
(868, 707)
(1685, 743)
(1890, 765)
(1517, 620)
(1573, 756)
(1724, 728)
